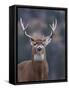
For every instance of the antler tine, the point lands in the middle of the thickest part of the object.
(24, 28)
(22, 25)
(53, 26)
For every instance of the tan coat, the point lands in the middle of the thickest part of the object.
(32, 71)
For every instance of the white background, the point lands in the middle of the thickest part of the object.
(4, 44)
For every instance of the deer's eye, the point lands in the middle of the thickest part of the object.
(34, 43)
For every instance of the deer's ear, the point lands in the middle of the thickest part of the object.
(48, 40)
(31, 42)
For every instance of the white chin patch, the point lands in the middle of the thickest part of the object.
(38, 57)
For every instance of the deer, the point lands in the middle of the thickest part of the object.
(37, 68)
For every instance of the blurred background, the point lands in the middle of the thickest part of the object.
(39, 20)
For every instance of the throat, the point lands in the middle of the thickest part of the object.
(39, 57)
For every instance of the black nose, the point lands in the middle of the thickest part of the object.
(39, 49)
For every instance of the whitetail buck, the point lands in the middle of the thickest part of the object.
(37, 68)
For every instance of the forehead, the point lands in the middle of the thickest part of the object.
(38, 41)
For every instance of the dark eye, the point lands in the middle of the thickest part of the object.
(34, 43)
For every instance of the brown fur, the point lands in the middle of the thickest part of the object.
(32, 71)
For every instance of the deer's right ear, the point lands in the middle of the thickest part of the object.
(31, 42)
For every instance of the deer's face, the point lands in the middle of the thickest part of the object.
(38, 45)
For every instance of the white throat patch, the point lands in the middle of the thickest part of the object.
(38, 57)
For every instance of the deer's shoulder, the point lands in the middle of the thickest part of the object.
(24, 64)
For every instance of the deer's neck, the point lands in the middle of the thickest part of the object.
(39, 57)
(39, 63)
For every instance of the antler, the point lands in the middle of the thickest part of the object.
(24, 28)
(48, 38)
(53, 27)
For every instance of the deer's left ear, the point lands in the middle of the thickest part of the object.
(47, 41)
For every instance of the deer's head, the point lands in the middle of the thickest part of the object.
(39, 43)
